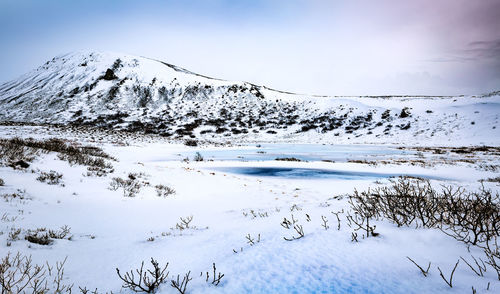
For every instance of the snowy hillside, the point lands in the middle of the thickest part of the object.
(139, 94)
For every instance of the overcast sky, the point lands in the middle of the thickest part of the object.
(355, 47)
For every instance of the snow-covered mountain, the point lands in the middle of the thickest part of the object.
(139, 94)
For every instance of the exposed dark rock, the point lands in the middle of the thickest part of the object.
(405, 112)
(19, 164)
(109, 75)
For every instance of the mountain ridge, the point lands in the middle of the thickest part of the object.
(125, 92)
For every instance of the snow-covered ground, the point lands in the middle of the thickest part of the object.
(225, 209)
(112, 231)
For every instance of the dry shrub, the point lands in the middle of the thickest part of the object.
(51, 178)
(26, 150)
(131, 185)
(42, 236)
(13, 150)
(470, 217)
(18, 274)
(147, 281)
(164, 191)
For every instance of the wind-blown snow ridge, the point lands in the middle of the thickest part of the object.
(126, 92)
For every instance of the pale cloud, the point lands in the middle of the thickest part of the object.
(325, 47)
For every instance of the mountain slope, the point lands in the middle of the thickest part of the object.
(139, 94)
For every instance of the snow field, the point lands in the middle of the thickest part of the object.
(112, 231)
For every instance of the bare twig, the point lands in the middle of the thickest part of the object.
(449, 282)
(338, 218)
(325, 222)
(216, 278)
(300, 231)
(424, 272)
(480, 270)
(285, 223)
(181, 285)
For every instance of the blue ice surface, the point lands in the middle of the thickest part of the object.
(305, 152)
(313, 173)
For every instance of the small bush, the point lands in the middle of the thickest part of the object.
(198, 157)
(38, 237)
(216, 278)
(18, 274)
(43, 236)
(51, 178)
(185, 223)
(147, 281)
(2, 182)
(131, 185)
(190, 142)
(287, 159)
(164, 191)
(494, 180)
(63, 233)
(14, 234)
(181, 285)
(19, 195)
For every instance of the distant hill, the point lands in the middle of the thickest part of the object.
(138, 94)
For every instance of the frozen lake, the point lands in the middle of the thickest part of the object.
(314, 173)
(305, 152)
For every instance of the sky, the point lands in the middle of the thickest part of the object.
(355, 47)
